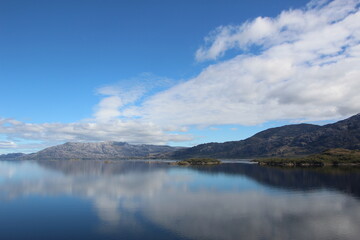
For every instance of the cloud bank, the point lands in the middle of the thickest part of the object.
(115, 130)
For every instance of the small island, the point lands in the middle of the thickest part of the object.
(197, 161)
(331, 157)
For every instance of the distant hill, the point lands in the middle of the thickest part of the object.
(100, 150)
(289, 140)
(11, 156)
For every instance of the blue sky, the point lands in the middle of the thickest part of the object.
(172, 72)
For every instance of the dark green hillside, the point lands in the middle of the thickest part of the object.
(286, 141)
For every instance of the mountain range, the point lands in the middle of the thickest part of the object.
(95, 150)
(101, 150)
(285, 141)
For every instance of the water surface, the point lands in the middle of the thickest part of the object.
(141, 200)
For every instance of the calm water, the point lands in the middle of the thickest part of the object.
(138, 200)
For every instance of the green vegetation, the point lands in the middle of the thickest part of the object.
(198, 161)
(331, 157)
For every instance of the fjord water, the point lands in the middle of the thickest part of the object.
(142, 200)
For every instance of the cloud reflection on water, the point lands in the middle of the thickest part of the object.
(121, 192)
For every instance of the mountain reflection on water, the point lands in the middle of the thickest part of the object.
(140, 200)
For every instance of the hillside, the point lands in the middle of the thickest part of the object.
(289, 140)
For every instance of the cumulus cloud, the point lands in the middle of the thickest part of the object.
(289, 27)
(116, 99)
(302, 64)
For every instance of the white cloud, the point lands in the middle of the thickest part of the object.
(108, 108)
(306, 67)
(290, 26)
(117, 98)
(7, 144)
(124, 94)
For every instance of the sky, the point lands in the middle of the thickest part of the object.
(173, 72)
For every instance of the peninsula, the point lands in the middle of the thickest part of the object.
(331, 157)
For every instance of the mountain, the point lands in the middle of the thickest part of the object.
(289, 140)
(100, 150)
